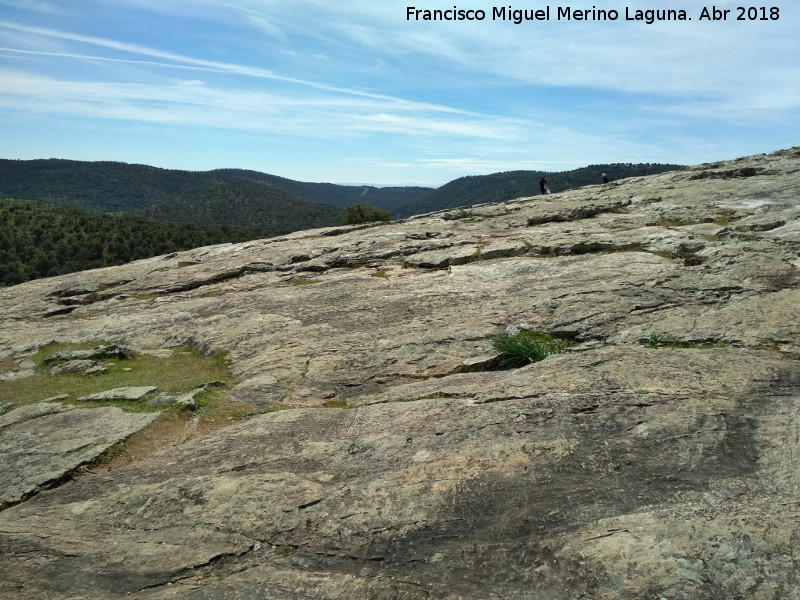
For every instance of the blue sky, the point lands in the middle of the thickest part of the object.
(353, 92)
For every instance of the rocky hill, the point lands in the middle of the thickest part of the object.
(508, 185)
(362, 444)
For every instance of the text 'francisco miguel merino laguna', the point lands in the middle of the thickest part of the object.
(567, 13)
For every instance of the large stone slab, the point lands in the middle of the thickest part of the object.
(40, 449)
(615, 471)
(128, 393)
(578, 475)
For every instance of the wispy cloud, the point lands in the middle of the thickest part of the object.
(40, 6)
(175, 59)
(183, 102)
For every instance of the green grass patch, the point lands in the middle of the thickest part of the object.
(303, 281)
(208, 294)
(336, 404)
(187, 368)
(524, 348)
(656, 340)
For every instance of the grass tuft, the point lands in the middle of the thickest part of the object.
(524, 348)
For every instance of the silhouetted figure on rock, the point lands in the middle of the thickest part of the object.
(543, 186)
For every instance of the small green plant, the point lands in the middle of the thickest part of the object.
(654, 340)
(524, 348)
(381, 273)
(478, 254)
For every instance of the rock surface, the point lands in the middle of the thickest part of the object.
(41, 443)
(129, 393)
(656, 459)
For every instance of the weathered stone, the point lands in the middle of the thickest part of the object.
(85, 367)
(28, 411)
(45, 444)
(129, 393)
(108, 351)
(185, 399)
(613, 471)
(159, 352)
(57, 398)
(24, 368)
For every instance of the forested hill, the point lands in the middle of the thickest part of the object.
(237, 203)
(39, 239)
(96, 186)
(116, 187)
(499, 187)
(386, 198)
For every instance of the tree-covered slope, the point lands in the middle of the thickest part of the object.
(499, 187)
(95, 186)
(40, 239)
(238, 202)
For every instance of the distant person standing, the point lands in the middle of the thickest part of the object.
(543, 186)
(605, 178)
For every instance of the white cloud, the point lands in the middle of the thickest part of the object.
(193, 103)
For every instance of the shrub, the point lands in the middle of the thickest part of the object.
(363, 213)
(524, 348)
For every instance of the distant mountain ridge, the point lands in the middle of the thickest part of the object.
(121, 187)
(269, 204)
(386, 198)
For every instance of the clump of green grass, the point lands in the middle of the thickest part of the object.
(524, 348)
(653, 340)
